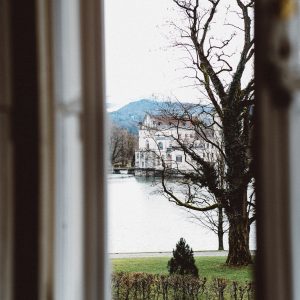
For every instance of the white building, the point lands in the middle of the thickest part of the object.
(158, 141)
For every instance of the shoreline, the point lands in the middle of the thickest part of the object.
(168, 254)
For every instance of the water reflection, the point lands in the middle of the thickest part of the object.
(142, 220)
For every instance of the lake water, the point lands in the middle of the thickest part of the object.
(143, 220)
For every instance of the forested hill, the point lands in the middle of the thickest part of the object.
(131, 114)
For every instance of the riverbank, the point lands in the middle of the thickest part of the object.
(169, 254)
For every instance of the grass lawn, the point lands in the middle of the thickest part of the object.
(209, 266)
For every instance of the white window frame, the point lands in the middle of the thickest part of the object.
(95, 262)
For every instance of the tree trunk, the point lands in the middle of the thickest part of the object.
(220, 239)
(239, 253)
(220, 228)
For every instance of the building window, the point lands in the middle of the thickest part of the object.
(160, 146)
(179, 158)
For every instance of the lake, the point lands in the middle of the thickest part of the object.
(141, 219)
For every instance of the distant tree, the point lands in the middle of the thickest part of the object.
(122, 146)
(183, 262)
(213, 220)
(131, 146)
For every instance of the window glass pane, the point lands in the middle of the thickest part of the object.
(178, 158)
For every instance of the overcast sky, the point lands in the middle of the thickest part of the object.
(140, 59)
(140, 62)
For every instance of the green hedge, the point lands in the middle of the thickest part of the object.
(142, 286)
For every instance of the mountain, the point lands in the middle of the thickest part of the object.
(131, 114)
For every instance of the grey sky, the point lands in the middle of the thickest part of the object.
(139, 60)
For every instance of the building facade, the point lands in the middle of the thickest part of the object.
(160, 139)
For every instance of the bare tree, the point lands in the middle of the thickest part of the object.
(213, 220)
(122, 145)
(220, 71)
(163, 152)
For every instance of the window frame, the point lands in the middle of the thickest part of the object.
(273, 260)
(273, 187)
(6, 167)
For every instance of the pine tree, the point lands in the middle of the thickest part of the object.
(183, 261)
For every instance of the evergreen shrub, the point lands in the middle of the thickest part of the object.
(183, 261)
